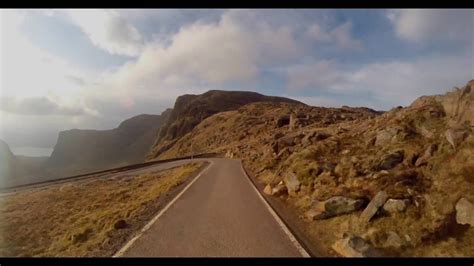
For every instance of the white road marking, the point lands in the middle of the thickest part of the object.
(282, 225)
(150, 223)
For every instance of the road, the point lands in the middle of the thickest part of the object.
(219, 214)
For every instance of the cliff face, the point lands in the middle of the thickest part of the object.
(190, 110)
(78, 151)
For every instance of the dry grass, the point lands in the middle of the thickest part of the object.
(77, 219)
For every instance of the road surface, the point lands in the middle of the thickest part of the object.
(219, 214)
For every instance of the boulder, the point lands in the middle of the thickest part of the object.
(334, 206)
(120, 224)
(292, 184)
(283, 120)
(393, 206)
(391, 160)
(465, 212)
(373, 207)
(354, 246)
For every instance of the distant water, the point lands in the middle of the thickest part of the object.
(32, 151)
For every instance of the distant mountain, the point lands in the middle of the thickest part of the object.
(17, 170)
(6, 161)
(189, 110)
(80, 151)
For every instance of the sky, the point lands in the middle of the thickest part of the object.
(91, 69)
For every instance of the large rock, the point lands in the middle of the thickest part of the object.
(465, 212)
(292, 184)
(391, 160)
(394, 206)
(334, 206)
(373, 206)
(354, 246)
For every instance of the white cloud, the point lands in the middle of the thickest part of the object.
(108, 30)
(43, 106)
(199, 57)
(391, 83)
(418, 25)
(340, 35)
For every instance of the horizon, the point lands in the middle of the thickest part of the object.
(92, 69)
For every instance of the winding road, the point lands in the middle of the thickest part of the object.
(218, 214)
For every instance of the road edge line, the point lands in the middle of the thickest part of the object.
(162, 211)
(280, 222)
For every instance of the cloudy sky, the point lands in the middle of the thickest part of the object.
(91, 69)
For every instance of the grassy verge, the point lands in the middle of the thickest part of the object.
(84, 218)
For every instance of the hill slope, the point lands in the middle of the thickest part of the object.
(399, 183)
(189, 110)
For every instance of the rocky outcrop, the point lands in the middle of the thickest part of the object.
(459, 104)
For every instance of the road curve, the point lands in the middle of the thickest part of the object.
(219, 215)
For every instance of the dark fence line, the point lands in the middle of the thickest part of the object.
(117, 169)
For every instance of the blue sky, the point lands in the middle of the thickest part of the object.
(65, 69)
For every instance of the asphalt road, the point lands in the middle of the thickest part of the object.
(219, 215)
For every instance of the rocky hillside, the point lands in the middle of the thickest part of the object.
(364, 183)
(79, 151)
(189, 110)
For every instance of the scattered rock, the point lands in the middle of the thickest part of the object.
(455, 136)
(334, 206)
(373, 206)
(81, 237)
(391, 160)
(393, 206)
(432, 148)
(268, 190)
(120, 224)
(292, 183)
(465, 212)
(354, 246)
(279, 189)
(392, 240)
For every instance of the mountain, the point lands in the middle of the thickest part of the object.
(398, 182)
(80, 151)
(189, 110)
